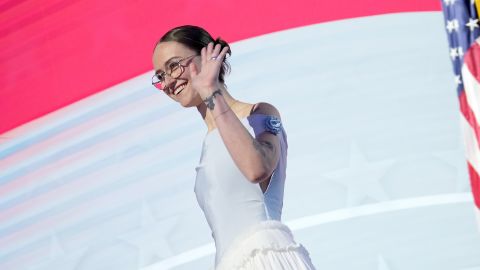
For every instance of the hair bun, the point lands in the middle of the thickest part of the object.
(223, 43)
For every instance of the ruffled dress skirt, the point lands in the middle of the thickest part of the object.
(267, 246)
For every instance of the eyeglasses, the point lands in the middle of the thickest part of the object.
(174, 70)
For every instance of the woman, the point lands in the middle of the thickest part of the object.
(241, 175)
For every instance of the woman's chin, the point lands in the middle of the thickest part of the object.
(188, 103)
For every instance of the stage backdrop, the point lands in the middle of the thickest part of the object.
(97, 167)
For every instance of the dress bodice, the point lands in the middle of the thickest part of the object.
(230, 202)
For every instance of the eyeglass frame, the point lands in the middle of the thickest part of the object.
(165, 74)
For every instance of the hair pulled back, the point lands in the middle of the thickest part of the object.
(196, 38)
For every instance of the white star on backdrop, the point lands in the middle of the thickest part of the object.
(152, 238)
(361, 178)
(472, 24)
(59, 258)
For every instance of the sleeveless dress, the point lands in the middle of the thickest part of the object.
(245, 222)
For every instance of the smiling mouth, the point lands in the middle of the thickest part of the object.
(179, 89)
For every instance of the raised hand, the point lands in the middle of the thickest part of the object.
(205, 81)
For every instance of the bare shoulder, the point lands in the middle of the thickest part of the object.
(265, 108)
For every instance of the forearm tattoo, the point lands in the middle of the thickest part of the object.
(209, 100)
(262, 146)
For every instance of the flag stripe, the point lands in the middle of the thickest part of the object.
(472, 60)
(469, 115)
(472, 151)
(475, 183)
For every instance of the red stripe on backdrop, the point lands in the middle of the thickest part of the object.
(475, 183)
(57, 52)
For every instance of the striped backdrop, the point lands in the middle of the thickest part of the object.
(97, 167)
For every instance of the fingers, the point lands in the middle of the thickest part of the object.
(216, 50)
(203, 53)
(210, 49)
(211, 52)
(223, 53)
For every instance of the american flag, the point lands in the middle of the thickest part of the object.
(463, 30)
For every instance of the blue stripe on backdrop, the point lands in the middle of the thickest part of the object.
(16, 145)
(98, 138)
(95, 166)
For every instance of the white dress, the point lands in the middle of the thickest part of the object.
(245, 222)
